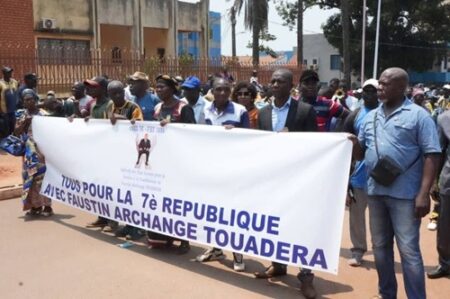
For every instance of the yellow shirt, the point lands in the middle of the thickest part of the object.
(4, 86)
(130, 110)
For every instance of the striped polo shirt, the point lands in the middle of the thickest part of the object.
(325, 109)
(234, 114)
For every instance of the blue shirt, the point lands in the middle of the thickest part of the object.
(406, 134)
(358, 178)
(147, 104)
(233, 114)
(279, 115)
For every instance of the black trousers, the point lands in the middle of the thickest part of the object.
(11, 122)
(147, 153)
(443, 232)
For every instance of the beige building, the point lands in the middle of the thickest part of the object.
(149, 27)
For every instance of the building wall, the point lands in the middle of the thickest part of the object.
(74, 16)
(115, 36)
(188, 43)
(85, 19)
(16, 22)
(155, 38)
(156, 13)
(190, 16)
(316, 46)
(123, 13)
(215, 50)
(16, 36)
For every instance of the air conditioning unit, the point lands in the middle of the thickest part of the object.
(48, 23)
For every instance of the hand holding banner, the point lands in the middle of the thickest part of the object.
(278, 196)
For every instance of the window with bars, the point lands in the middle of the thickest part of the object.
(63, 51)
(335, 62)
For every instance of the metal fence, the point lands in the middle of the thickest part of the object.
(58, 67)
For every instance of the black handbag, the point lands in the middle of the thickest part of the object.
(386, 170)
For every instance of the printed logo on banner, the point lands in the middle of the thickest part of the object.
(145, 143)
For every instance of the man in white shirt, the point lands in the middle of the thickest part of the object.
(191, 89)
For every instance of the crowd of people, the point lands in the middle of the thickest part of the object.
(400, 135)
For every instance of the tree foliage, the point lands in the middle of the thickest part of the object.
(267, 37)
(413, 33)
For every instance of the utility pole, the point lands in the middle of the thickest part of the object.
(233, 31)
(300, 33)
(377, 40)
(363, 43)
(345, 19)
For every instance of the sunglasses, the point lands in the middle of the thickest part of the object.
(243, 94)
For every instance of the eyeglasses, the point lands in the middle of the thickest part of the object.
(243, 94)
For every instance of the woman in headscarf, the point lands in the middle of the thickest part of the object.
(169, 110)
(244, 93)
(33, 161)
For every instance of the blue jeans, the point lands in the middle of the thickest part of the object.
(391, 217)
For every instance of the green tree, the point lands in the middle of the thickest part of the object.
(291, 12)
(413, 33)
(256, 14)
(267, 37)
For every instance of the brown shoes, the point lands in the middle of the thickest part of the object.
(272, 271)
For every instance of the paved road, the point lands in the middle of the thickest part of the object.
(59, 258)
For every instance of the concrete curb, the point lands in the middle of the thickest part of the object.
(12, 191)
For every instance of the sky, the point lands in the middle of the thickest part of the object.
(286, 40)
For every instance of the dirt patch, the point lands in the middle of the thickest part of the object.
(10, 169)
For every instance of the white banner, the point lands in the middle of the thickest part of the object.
(278, 196)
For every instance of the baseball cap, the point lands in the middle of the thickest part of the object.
(417, 91)
(446, 86)
(191, 82)
(98, 81)
(7, 69)
(371, 82)
(308, 75)
(139, 76)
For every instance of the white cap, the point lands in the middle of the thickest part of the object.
(446, 86)
(371, 82)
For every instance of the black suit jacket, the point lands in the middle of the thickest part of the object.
(301, 118)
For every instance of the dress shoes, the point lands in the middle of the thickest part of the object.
(271, 271)
(438, 272)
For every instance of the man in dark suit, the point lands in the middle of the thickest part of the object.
(287, 115)
(144, 148)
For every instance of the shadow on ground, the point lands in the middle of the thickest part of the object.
(280, 287)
